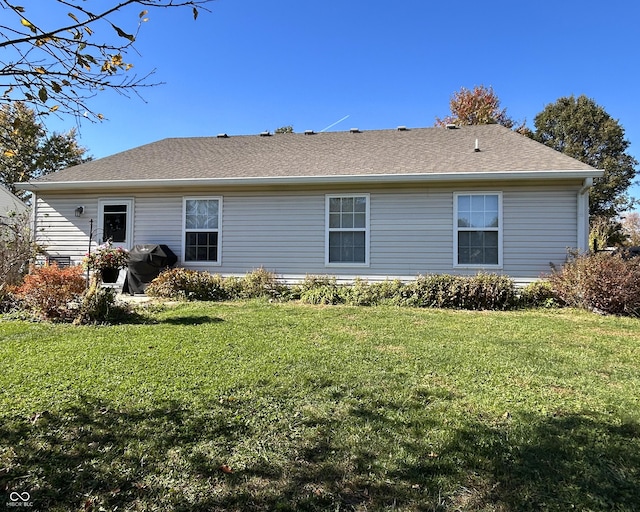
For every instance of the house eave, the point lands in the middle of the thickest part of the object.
(311, 180)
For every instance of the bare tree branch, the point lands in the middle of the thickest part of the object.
(59, 70)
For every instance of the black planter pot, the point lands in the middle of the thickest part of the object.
(109, 275)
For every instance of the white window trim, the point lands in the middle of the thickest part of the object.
(328, 197)
(102, 202)
(499, 230)
(186, 263)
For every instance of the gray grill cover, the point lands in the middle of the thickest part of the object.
(146, 261)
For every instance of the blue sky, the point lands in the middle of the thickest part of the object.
(254, 65)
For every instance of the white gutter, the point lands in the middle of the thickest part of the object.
(310, 180)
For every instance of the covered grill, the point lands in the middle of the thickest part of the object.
(146, 261)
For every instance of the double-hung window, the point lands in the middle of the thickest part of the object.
(347, 233)
(202, 229)
(478, 229)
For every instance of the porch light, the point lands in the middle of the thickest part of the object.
(79, 211)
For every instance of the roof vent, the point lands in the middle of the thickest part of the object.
(265, 134)
(222, 136)
(354, 130)
(403, 129)
(451, 126)
(309, 132)
(477, 148)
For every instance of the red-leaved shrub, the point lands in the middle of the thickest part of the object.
(603, 282)
(49, 290)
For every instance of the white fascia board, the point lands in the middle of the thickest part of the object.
(311, 180)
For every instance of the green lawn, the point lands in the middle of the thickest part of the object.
(323, 408)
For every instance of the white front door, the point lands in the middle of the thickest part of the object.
(115, 222)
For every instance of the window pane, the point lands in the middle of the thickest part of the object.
(491, 220)
(115, 208)
(478, 247)
(201, 214)
(201, 246)
(347, 204)
(347, 247)
(347, 212)
(463, 221)
(477, 220)
(115, 227)
(477, 203)
(190, 222)
(360, 220)
(491, 203)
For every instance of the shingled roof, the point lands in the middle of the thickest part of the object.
(377, 153)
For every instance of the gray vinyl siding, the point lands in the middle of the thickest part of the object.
(411, 229)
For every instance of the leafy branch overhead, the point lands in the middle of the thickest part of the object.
(54, 60)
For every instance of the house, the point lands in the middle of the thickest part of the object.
(375, 204)
(10, 203)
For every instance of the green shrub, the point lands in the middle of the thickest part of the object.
(186, 284)
(363, 293)
(483, 291)
(492, 292)
(323, 294)
(604, 282)
(539, 294)
(387, 291)
(359, 293)
(261, 283)
(51, 292)
(99, 305)
(318, 290)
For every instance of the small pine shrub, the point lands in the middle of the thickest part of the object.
(603, 282)
(50, 291)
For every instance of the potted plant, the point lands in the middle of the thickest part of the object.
(107, 260)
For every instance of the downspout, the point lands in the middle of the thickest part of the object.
(34, 219)
(583, 215)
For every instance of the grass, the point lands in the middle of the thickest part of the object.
(257, 406)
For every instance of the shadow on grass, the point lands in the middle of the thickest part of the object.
(171, 458)
(192, 320)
